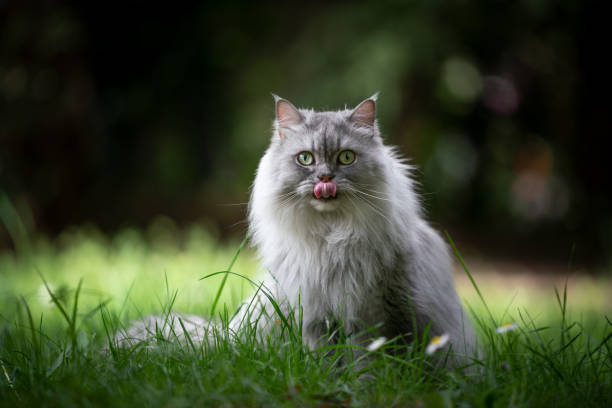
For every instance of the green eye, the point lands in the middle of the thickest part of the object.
(305, 158)
(346, 157)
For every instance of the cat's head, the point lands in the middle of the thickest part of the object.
(329, 161)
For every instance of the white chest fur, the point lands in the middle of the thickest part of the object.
(334, 273)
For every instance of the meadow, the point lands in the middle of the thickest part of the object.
(61, 300)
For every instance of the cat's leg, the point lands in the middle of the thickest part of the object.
(320, 332)
(263, 313)
(430, 296)
(269, 312)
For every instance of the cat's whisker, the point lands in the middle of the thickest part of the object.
(285, 202)
(367, 194)
(283, 197)
(381, 193)
(372, 196)
(238, 223)
(356, 206)
(290, 193)
(370, 190)
(372, 206)
(288, 201)
(369, 185)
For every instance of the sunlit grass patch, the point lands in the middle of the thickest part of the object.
(129, 270)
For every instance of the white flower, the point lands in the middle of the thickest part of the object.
(437, 343)
(376, 344)
(506, 327)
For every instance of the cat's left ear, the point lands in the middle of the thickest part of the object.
(287, 115)
(365, 112)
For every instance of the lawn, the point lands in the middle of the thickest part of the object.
(60, 301)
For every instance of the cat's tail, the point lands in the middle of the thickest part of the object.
(150, 330)
(256, 313)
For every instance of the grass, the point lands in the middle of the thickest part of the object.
(62, 300)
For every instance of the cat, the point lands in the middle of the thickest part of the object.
(335, 219)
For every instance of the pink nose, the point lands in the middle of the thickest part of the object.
(325, 189)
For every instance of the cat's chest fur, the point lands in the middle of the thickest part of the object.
(333, 269)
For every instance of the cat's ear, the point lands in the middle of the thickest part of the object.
(365, 113)
(287, 115)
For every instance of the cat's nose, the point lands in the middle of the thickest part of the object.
(326, 177)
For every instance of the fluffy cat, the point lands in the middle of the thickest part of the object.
(335, 220)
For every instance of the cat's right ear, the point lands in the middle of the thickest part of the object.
(287, 115)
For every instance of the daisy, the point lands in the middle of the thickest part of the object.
(506, 327)
(376, 344)
(437, 343)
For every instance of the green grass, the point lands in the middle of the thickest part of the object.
(52, 340)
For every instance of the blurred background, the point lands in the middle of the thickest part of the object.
(112, 115)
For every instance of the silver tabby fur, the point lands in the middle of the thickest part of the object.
(366, 258)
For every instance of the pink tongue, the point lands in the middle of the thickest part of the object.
(325, 189)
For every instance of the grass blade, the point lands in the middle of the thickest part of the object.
(75, 307)
(109, 338)
(54, 298)
(469, 275)
(222, 285)
(186, 333)
(34, 336)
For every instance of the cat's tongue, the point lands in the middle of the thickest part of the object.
(325, 189)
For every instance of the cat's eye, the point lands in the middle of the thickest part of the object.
(305, 158)
(346, 157)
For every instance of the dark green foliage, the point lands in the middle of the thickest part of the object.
(500, 104)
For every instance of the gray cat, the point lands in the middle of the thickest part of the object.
(335, 220)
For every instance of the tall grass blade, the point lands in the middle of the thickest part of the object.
(9, 381)
(75, 307)
(187, 336)
(9, 216)
(34, 337)
(109, 337)
(229, 268)
(603, 343)
(92, 312)
(469, 275)
(56, 301)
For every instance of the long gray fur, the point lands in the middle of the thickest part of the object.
(367, 258)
